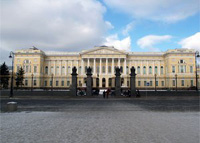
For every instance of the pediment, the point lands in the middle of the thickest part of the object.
(103, 51)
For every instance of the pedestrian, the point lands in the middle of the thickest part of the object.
(104, 94)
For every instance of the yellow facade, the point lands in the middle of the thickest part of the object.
(162, 67)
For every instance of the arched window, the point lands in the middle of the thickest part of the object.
(109, 69)
(150, 70)
(144, 70)
(69, 69)
(63, 69)
(156, 70)
(57, 70)
(161, 70)
(138, 70)
(46, 70)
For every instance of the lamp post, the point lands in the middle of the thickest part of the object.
(11, 87)
(155, 82)
(176, 81)
(32, 82)
(196, 56)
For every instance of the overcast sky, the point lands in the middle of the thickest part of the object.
(74, 25)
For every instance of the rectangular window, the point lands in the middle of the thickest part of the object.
(62, 83)
(182, 82)
(156, 83)
(163, 84)
(191, 83)
(128, 83)
(26, 82)
(173, 69)
(150, 83)
(45, 83)
(27, 68)
(138, 83)
(145, 83)
(68, 83)
(56, 83)
(174, 83)
(34, 82)
(50, 83)
(35, 69)
(191, 69)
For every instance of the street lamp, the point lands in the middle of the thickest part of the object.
(196, 56)
(51, 82)
(32, 82)
(11, 87)
(155, 82)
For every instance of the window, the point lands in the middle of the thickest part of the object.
(191, 69)
(163, 84)
(109, 69)
(150, 83)
(35, 69)
(85, 69)
(182, 82)
(51, 83)
(51, 69)
(156, 83)
(46, 70)
(56, 83)
(128, 83)
(26, 70)
(45, 83)
(26, 82)
(57, 70)
(69, 69)
(173, 69)
(181, 61)
(150, 70)
(68, 83)
(103, 69)
(34, 82)
(138, 83)
(161, 70)
(144, 70)
(191, 83)
(79, 83)
(138, 70)
(182, 69)
(63, 70)
(145, 83)
(110, 82)
(173, 82)
(156, 70)
(98, 69)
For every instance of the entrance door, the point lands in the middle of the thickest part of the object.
(97, 82)
(103, 82)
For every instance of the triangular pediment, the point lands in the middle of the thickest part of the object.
(103, 51)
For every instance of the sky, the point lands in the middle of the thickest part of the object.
(130, 25)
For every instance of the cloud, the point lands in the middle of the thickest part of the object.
(148, 42)
(113, 40)
(192, 42)
(158, 10)
(128, 28)
(63, 25)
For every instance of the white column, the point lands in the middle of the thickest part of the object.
(119, 62)
(113, 68)
(82, 66)
(88, 63)
(100, 66)
(125, 66)
(106, 65)
(49, 69)
(54, 67)
(65, 67)
(61, 67)
(94, 66)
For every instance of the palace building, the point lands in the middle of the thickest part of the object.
(163, 70)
